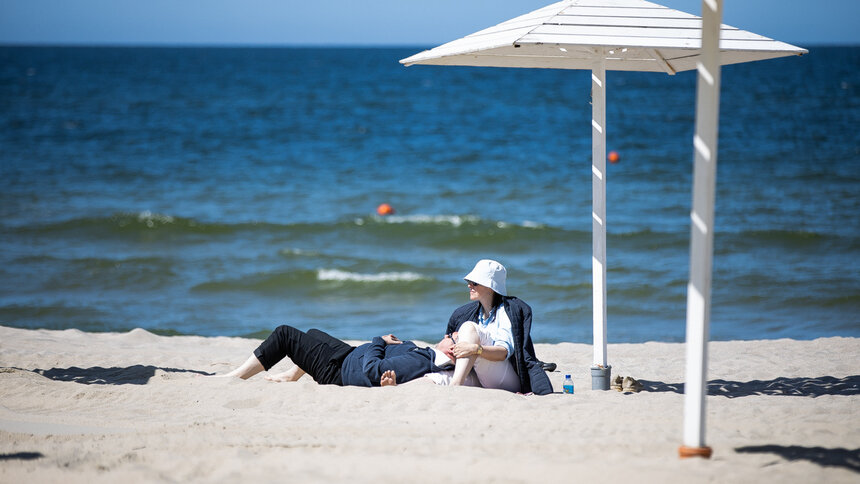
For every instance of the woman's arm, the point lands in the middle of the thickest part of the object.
(492, 353)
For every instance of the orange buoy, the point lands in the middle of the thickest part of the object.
(613, 157)
(384, 209)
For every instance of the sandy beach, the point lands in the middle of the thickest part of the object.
(133, 407)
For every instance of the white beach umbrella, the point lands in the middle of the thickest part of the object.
(627, 35)
(632, 35)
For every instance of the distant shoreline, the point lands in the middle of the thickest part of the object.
(263, 333)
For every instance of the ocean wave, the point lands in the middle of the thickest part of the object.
(789, 239)
(149, 222)
(60, 273)
(133, 223)
(783, 235)
(261, 283)
(444, 231)
(306, 281)
(56, 316)
(343, 276)
(463, 232)
(152, 219)
(727, 242)
(651, 239)
(294, 251)
(455, 221)
(418, 219)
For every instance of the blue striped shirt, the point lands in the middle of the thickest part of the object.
(498, 325)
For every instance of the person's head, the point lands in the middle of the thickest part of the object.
(446, 346)
(487, 282)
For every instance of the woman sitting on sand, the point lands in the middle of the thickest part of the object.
(493, 336)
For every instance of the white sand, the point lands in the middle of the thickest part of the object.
(125, 408)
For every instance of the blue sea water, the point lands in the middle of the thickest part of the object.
(222, 191)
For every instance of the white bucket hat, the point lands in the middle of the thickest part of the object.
(489, 273)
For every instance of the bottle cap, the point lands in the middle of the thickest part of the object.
(567, 376)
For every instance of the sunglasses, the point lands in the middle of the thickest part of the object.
(470, 283)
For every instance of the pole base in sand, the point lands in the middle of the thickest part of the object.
(685, 452)
(600, 376)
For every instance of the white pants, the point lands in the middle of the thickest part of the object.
(485, 373)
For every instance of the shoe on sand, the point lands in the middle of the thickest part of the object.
(630, 385)
(616, 383)
(550, 367)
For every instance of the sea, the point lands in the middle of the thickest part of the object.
(225, 191)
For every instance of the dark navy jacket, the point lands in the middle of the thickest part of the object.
(366, 364)
(532, 376)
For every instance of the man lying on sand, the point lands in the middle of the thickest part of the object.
(384, 361)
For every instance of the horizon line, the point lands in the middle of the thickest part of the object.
(334, 45)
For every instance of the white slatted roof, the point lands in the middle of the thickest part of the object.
(632, 35)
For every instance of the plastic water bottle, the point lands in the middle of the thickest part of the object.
(568, 384)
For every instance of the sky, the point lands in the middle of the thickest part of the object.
(361, 23)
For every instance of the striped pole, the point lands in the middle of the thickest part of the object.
(702, 232)
(598, 210)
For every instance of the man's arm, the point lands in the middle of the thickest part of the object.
(407, 366)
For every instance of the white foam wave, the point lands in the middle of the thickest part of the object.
(452, 220)
(298, 252)
(149, 219)
(533, 225)
(526, 224)
(338, 275)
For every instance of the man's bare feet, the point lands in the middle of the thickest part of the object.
(293, 374)
(249, 368)
(388, 379)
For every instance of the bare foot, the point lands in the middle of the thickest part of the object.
(388, 379)
(293, 374)
(249, 368)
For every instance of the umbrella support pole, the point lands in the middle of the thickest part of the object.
(702, 233)
(599, 379)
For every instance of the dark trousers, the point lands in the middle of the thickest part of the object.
(317, 353)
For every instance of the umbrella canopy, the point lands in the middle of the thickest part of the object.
(631, 35)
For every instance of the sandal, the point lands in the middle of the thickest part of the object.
(631, 385)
